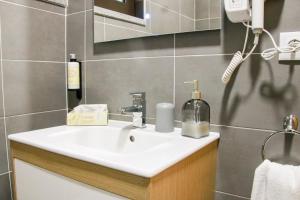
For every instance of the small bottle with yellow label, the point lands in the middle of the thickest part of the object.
(73, 73)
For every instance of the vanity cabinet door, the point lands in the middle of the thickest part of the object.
(34, 183)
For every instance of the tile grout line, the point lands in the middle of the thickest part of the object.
(174, 71)
(104, 29)
(155, 57)
(238, 127)
(128, 58)
(150, 11)
(3, 107)
(170, 10)
(123, 27)
(5, 173)
(179, 15)
(194, 15)
(187, 17)
(84, 49)
(225, 126)
(244, 128)
(83, 11)
(178, 121)
(125, 58)
(34, 113)
(66, 63)
(199, 19)
(33, 61)
(62, 5)
(29, 7)
(233, 195)
(209, 23)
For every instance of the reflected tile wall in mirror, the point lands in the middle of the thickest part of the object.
(160, 17)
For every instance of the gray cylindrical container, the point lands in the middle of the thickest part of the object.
(165, 117)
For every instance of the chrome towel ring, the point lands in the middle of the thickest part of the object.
(290, 126)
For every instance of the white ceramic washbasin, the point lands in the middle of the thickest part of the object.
(143, 152)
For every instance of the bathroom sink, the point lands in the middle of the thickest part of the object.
(142, 152)
(112, 140)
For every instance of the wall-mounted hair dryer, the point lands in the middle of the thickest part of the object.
(251, 14)
(240, 11)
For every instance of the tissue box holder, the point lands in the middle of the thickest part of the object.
(88, 115)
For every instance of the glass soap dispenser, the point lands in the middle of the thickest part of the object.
(195, 115)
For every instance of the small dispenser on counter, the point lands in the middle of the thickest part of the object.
(195, 114)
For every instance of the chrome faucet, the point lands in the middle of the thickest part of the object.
(138, 109)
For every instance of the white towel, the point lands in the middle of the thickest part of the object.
(273, 181)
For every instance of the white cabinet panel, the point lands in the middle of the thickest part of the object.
(34, 183)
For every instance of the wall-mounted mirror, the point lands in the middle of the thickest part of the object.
(126, 19)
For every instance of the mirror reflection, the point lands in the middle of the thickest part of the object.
(126, 19)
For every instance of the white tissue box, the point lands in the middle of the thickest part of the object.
(88, 115)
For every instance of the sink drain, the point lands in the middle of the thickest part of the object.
(132, 138)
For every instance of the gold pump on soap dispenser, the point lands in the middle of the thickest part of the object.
(195, 114)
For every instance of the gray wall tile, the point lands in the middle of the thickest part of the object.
(272, 91)
(186, 24)
(202, 9)
(31, 30)
(164, 21)
(75, 31)
(169, 4)
(215, 23)
(1, 92)
(3, 152)
(89, 4)
(211, 42)
(31, 122)
(117, 33)
(239, 155)
(188, 8)
(76, 6)
(141, 47)
(111, 81)
(215, 7)
(100, 30)
(202, 25)
(40, 5)
(137, 27)
(5, 187)
(33, 87)
(30, 34)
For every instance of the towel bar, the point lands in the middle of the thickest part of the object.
(290, 126)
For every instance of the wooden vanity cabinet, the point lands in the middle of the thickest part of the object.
(190, 179)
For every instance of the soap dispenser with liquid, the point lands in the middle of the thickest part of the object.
(195, 115)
